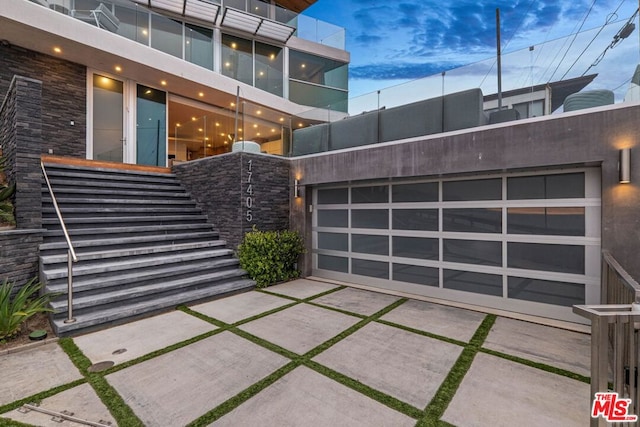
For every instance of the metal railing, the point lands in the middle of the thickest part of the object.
(618, 287)
(71, 254)
(615, 343)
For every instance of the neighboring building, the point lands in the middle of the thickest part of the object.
(538, 100)
(146, 81)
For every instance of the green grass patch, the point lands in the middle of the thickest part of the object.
(423, 333)
(121, 412)
(538, 365)
(342, 335)
(5, 422)
(450, 385)
(215, 322)
(243, 396)
(161, 351)
(374, 394)
(39, 397)
(337, 310)
(266, 344)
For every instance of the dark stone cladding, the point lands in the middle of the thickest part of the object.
(64, 92)
(19, 255)
(20, 139)
(220, 185)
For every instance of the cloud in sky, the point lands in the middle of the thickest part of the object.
(392, 41)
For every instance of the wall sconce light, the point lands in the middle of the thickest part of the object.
(624, 167)
(296, 188)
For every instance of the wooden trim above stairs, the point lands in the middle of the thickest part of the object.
(46, 158)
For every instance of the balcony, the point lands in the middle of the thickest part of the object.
(254, 16)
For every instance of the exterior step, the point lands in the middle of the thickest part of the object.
(122, 313)
(142, 244)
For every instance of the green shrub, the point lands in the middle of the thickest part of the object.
(270, 256)
(26, 302)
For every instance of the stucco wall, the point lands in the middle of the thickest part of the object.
(588, 137)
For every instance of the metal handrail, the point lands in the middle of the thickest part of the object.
(630, 287)
(71, 253)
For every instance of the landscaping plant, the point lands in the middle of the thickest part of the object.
(6, 206)
(270, 256)
(14, 311)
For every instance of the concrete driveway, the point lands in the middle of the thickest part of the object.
(306, 353)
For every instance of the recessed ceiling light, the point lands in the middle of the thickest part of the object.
(178, 124)
(199, 129)
(233, 104)
(273, 130)
(282, 119)
(258, 134)
(258, 112)
(193, 119)
(118, 68)
(57, 49)
(234, 45)
(209, 145)
(255, 126)
(217, 124)
(303, 66)
(145, 32)
(300, 125)
(163, 82)
(201, 94)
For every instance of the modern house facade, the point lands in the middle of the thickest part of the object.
(508, 215)
(148, 82)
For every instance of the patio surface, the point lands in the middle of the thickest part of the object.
(307, 353)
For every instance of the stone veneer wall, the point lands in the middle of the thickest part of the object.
(21, 140)
(19, 255)
(64, 97)
(220, 185)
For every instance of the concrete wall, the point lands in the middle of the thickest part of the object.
(220, 185)
(64, 90)
(589, 137)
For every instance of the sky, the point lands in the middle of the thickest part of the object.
(402, 47)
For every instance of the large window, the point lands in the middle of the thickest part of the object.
(237, 58)
(318, 81)
(198, 45)
(269, 66)
(516, 238)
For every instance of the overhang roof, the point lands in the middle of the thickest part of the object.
(295, 5)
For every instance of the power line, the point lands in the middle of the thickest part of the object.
(610, 18)
(572, 41)
(622, 34)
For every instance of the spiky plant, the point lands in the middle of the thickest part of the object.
(26, 303)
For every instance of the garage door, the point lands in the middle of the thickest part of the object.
(523, 242)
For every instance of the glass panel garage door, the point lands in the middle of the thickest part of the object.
(526, 242)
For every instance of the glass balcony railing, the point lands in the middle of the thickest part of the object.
(114, 13)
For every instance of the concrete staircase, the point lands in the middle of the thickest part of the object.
(142, 245)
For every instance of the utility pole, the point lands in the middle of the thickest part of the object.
(500, 58)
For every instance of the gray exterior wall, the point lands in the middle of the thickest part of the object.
(220, 186)
(64, 95)
(586, 138)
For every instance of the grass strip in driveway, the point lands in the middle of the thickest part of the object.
(230, 404)
(121, 412)
(538, 365)
(38, 397)
(450, 385)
